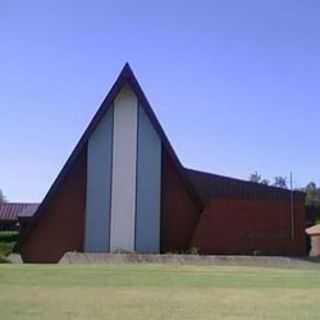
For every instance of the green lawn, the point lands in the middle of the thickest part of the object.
(157, 292)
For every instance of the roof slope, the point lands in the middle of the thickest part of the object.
(10, 211)
(208, 186)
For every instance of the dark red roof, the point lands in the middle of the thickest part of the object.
(10, 211)
(209, 186)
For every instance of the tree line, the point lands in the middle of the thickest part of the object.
(311, 189)
(279, 181)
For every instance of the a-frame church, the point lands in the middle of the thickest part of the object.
(124, 188)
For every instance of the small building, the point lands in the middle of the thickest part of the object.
(124, 188)
(314, 234)
(11, 211)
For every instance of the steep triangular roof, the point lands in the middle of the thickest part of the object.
(126, 77)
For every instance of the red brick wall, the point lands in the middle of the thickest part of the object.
(229, 226)
(60, 226)
(179, 212)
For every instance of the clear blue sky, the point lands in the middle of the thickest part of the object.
(235, 84)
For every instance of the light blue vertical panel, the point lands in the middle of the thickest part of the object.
(98, 196)
(147, 237)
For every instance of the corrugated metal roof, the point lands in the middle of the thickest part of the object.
(10, 211)
(29, 210)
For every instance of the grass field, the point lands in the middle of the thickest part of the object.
(157, 292)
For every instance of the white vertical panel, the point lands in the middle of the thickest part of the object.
(124, 171)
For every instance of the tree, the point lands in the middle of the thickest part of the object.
(255, 177)
(312, 194)
(280, 182)
(2, 197)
